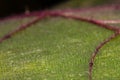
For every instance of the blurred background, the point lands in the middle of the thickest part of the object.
(11, 7)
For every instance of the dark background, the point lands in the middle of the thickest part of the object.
(9, 7)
